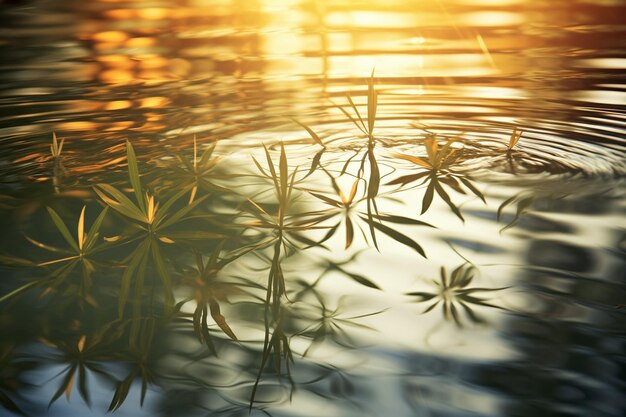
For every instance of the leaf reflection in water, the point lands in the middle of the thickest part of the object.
(453, 293)
(182, 246)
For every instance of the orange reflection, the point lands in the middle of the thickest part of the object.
(153, 13)
(110, 37)
(118, 105)
(85, 127)
(153, 102)
(141, 42)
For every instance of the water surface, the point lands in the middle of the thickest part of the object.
(302, 208)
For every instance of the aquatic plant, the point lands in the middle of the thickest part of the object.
(79, 252)
(438, 169)
(453, 292)
(372, 183)
(197, 173)
(56, 148)
(154, 226)
(208, 292)
(181, 229)
(516, 135)
(330, 324)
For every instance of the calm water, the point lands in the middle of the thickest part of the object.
(455, 248)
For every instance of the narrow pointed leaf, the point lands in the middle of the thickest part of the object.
(473, 189)
(360, 279)
(315, 163)
(169, 221)
(95, 228)
(428, 195)
(206, 155)
(133, 174)
(415, 159)
(63, 229)
(80, 235)
(442, 193)
(325, 199)
(399, 237)
(401, 220)
(349, 232)
(372, 104)
(119, 202)
(313, 135)
(407, 179)
(356, 110)
(220, 320)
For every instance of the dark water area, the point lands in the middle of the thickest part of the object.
(313, 208)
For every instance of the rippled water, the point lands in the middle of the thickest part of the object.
(325, 258)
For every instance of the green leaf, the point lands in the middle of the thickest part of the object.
(270, 165)
(133, 174)
(284, 173)
(165, 277)
(119, 202)
(194, 235)
(292, 182)
(180, 214)
(19, 290)
(63, 229)
(163, 210)
(127, 277)
(95, 227)
(206, 155)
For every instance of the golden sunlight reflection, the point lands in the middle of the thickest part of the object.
(155, 45)
(355, 207)
(238, 66)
